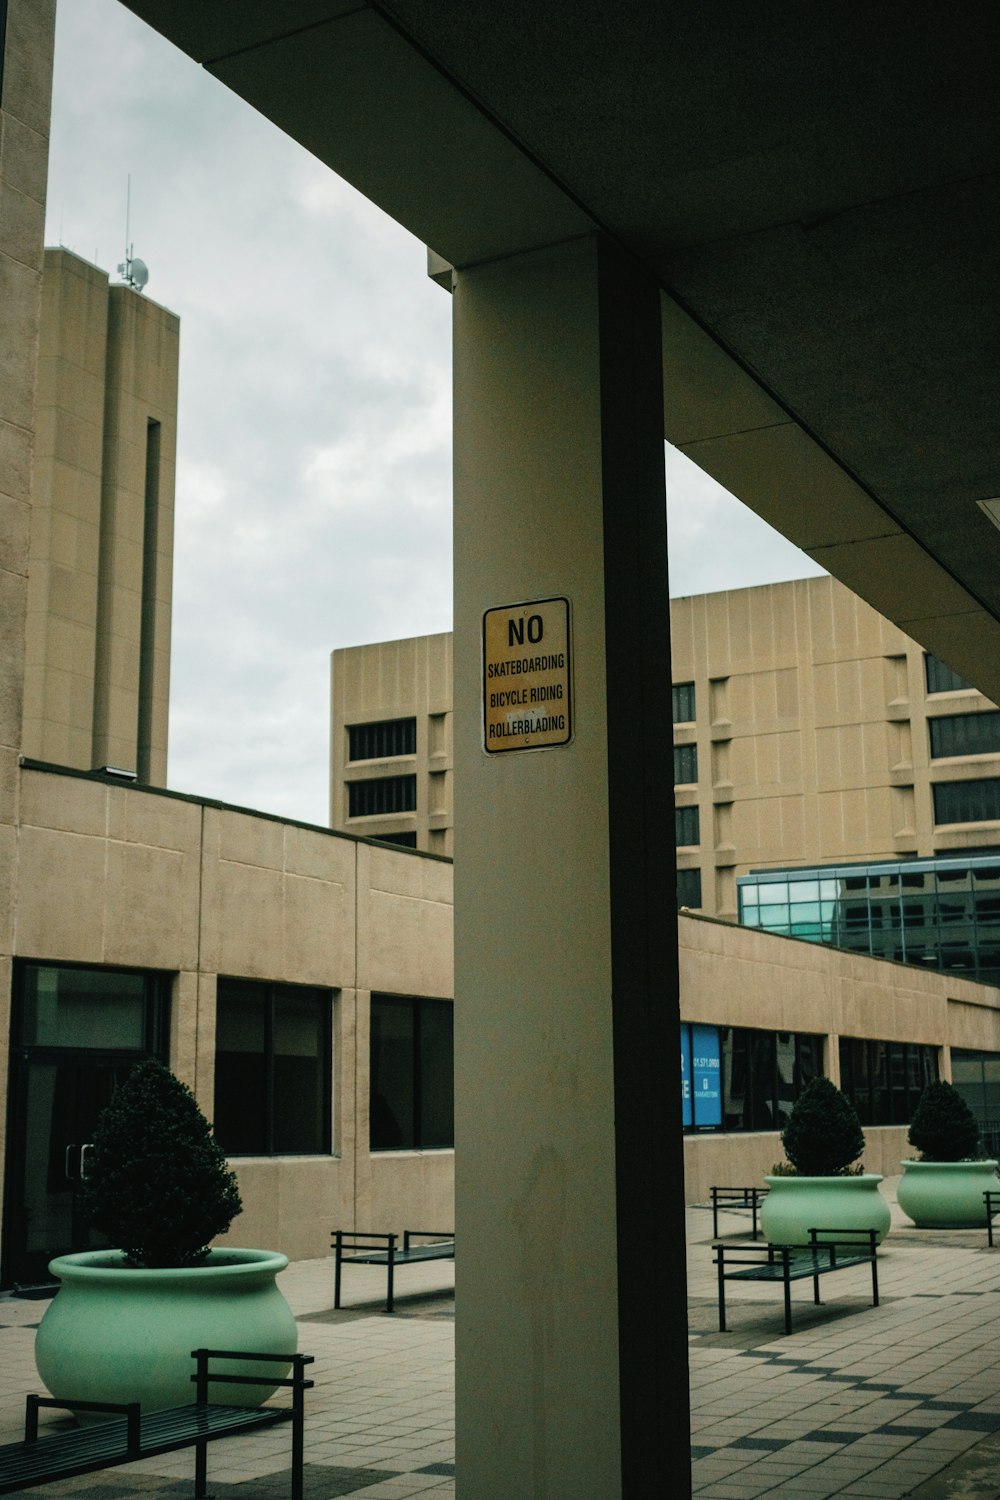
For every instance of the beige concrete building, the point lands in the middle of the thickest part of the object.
(391, 742)
(97, 666)
(808, 730)
(872, 1025)
(150, 921)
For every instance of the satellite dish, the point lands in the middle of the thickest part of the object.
(138, 274)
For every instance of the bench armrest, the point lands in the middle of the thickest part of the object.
(357, 1239)
(857, 1241)
(129, 1410)
(446, 1236)
(203, 1376)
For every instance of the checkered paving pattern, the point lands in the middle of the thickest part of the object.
(898, 1400)
(881, 1403)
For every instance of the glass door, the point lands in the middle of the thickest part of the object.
(78, 1032)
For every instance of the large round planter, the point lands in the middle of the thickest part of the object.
(945, 1194)
(117, 1333)
(794, 1205)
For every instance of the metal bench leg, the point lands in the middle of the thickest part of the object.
(336, 1272)
(390, 1269)
(201, 1471)
(722, 1295)
(298, 1432)
(874, 1284)
(788, 1293)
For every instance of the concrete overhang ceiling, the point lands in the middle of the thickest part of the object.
(814, 186)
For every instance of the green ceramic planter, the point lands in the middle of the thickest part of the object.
(794, 1205)
(946, 1194)
(114, 1333)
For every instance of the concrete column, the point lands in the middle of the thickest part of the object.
(572, 1351)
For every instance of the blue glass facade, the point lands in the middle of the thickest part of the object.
(943, 912)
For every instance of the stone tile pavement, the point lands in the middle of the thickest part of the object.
(898, 1400)
(877, 1403)
(379, 1423)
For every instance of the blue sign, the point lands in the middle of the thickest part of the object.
(706, 1090)
(686, 1077)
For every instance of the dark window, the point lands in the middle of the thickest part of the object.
(385, 794)
(967, 801)
(683, 696)
(412, 1074)
(379, 741)
(686, 825)
(688, 888)
(407, 840)
(763, 1073)
(965, 734)
(976, 1076)
(941, 679)
(272, 1069)
(884, 1080)
(686, 764)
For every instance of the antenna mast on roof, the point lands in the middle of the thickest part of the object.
(134, 272)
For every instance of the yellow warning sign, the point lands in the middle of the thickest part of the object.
(526, 676)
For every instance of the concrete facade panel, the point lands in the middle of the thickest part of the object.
(62, 881)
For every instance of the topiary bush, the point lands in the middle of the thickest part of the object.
(823, 1135)
(943, 1126)
(157, 1182)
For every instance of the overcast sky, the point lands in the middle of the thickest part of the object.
(313, 505)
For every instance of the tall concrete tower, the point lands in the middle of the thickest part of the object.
(97, 661)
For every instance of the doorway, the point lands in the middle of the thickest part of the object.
(76, 1034)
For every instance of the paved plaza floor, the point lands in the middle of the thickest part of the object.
(899, 1400)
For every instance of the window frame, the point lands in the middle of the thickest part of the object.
(272, 992)
(357, 790)
(748, 1071)
(687, 814)
(946, 734)
(682, 697)
(940, 678)
(407, 725)
(870, 1068)
(684, 753)
(691, 876)
(943, 792)
(419, 1006)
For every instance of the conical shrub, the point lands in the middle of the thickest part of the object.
(157, 1182)
(823, 1135)
(944, 1127)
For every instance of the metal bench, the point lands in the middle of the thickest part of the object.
(353, 1247)
(991, 1204)
(839, 1249)
(130, 1435)
(734, 1199)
